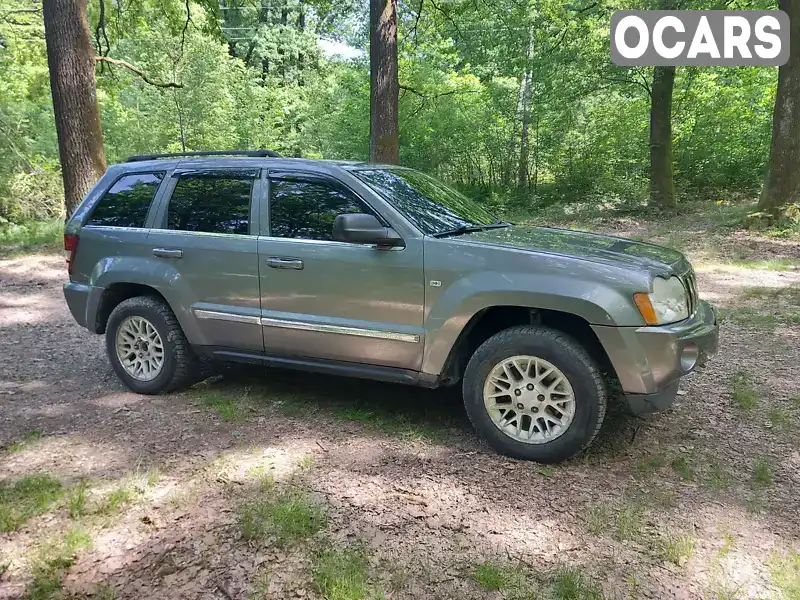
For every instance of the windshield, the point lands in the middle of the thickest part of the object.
(427, 202)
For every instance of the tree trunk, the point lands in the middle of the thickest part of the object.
(662, 186)
(782, 182)
(524, 145)
(384, 144)
(72, 84)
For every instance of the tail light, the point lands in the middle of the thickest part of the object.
(70, 248)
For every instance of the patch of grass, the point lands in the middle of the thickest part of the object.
(76, 499)
(28, 497)
(572, 584)
(228, 407)
(49, 563)
(259, 587)
(343, 574)
(651, 464)
(306, 461)
(114, 500)
(625, 524)
(683, 467)
(756, 503)
(677, 549)
(718, 478)
(630, 522)
(598, 519)
(510, 579)
(743, 391)
(286, 516)
(752, 318)
(763, 472)
(104, 592)
(785, 572)
(780, 419)
(490, 576)
(30, 236)
(775, 264)
(396, 424)
(728, 544)
(28, 438)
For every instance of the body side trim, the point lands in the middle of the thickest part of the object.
(306, 326)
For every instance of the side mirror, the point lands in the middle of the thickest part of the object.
(364, 229)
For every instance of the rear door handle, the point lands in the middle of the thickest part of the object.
(167, 252)
(285, 263)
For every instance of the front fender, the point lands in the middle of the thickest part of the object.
(456, 305)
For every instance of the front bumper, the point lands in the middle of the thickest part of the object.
(649, 361)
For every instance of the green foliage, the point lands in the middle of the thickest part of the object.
(763, 472)
(254, 76)
(31, 235)
(50, 561)
(25, 498)
(743, 391)
(28, 438)
(287, 516)
(785, 571)
(343, 574)
(683, 467)
(572, 584)
(678, 548)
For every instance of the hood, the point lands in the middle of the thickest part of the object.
(566, 242)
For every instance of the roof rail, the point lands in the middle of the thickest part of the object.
(254, 153)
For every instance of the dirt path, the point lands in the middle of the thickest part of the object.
(699, 502)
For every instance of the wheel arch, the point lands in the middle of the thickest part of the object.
(118, 292)
(493, 319)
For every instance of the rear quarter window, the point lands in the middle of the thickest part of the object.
(126, 203)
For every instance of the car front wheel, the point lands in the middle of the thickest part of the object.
(147, 347)
(534, 393)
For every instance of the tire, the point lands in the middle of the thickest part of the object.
(559, 350)
(179, 362)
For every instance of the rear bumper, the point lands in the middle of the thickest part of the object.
(649, 361)
(78, 297)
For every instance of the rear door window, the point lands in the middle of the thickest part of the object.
(126, 203)
(216, 202)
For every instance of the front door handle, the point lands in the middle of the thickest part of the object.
(285, 263)
(167, 252)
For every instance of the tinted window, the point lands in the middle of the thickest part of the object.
(307, 209)
(127, 202)
(427, 202)
(218, 203)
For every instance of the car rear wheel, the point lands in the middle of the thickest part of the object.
(147, 347)
(534, 393)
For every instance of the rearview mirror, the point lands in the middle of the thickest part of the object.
(364, 229)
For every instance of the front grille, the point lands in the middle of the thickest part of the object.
(690, 284)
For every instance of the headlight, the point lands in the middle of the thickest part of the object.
(667, 303)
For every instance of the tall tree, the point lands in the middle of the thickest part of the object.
(782, 181)
(662, 187)
(72, 85)
(384, 144)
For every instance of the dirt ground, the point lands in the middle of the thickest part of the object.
(698, 502)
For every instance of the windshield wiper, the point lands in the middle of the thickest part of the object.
(471, 229)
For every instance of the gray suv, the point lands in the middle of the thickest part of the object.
(379, 272)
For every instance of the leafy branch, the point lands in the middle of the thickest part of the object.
(126, 65)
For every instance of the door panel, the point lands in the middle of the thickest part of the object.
(348, 302)
(204, 235)
(322, 298)
(218, 280)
